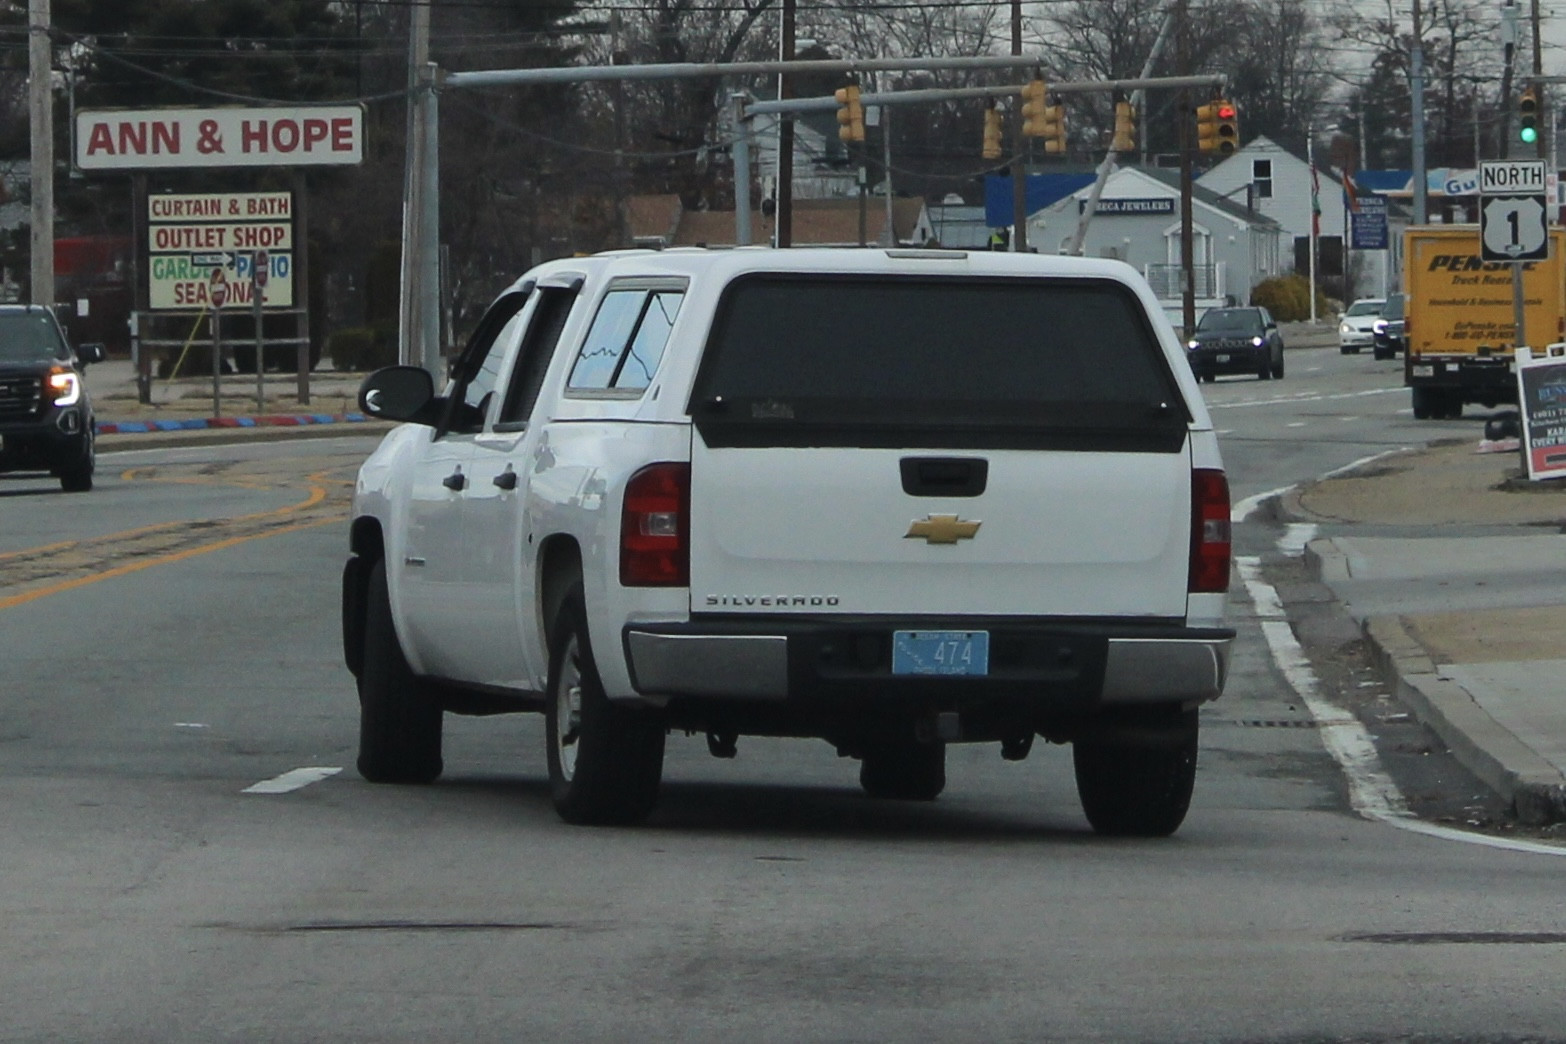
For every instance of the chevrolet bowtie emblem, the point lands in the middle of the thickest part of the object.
(941, 529)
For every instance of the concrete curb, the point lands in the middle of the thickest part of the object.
(139, 435)
(202, 423)
(1525, 780)
(1533, 787)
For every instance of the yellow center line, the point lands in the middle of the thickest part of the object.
(317, 494)
(176, 556)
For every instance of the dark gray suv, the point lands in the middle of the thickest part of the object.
(1236, 340)
(46, 421)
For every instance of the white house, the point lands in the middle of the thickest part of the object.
(1277, 183)
(1137, 220)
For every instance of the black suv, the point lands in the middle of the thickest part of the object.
(45, 413)
(1388, 331)
(1236, 340)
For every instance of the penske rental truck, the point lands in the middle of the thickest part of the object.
(1459, 317)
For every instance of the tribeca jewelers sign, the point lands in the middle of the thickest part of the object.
(190, 236)
(296, 136)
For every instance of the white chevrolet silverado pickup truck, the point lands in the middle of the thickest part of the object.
(892, 499)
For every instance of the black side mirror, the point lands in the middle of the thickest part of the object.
(90, 353)
(400, 393)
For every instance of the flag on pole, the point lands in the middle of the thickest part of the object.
(1315, 201)
(1350, 192)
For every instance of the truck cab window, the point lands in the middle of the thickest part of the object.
(477, 370)
(538, 347)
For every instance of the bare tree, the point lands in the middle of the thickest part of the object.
(1461, 54)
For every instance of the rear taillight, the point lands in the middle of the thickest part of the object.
(655, 527)
(1210, 546)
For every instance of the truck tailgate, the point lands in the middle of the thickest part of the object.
(1053, 533)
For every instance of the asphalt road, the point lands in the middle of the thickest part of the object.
(178, 647)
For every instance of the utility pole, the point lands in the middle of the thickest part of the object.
(1019, 173)
(409, 319)
(783, 215)
(1187, 248)
(40, 104)
(1138, 100)
(1416, 87)
(1547, 139)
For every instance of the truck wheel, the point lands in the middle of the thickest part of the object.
(1452, 408)
(76, 477)
(605, 761)
(1136, 790)
(1424, 405)
(399, 719)
(1277, 371)
(903, 770)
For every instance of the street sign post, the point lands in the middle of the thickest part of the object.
(1513, 222)
(259, 264)
(217, 293)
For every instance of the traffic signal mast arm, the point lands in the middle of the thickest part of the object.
(825, 104)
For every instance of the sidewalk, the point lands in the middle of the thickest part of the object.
(182, 411)
(1471, 629)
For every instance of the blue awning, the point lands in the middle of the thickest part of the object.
(1041, 190)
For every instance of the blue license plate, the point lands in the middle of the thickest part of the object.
(941, 652)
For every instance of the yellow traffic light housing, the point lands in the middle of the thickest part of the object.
(1218, 127)
(850, 113)
(1125, 127)
(1055, 126)
(1528, 116)
(1035, 102)
(992, 133)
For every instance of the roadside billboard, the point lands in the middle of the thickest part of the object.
(292, 136)
(1541, 391)
(190, 235)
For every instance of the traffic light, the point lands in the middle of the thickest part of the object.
(992, 133)
(1054, 126)
(1217, 127)
(1034, 107)
(850, 114)
(1528, 116)
(1125, 127)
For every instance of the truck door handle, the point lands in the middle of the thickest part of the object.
(506, 479)
(455, 481)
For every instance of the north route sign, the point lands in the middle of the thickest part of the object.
(1513, 219)
(292, 136)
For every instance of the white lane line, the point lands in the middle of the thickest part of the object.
(1296, 424)
(1241, 511)
(291, 780)
(1303, 397)
(1295, 537)
(1372, 793)
(189, 725)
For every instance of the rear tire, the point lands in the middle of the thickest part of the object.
(903, 770)
(399, 718)
(605, 761)
(1137, 789)
(1424, 403)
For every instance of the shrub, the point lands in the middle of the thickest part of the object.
(1288, 298)
(359, 348)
